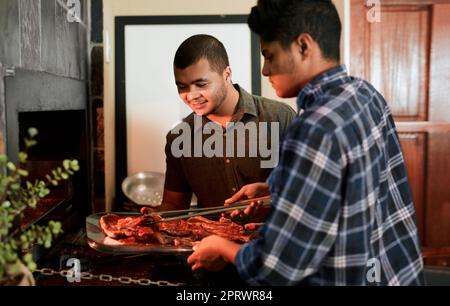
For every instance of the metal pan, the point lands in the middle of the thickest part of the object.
(102, 243)
(144, 188)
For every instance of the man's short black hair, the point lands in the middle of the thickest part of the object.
(201, 46)
(284, 20)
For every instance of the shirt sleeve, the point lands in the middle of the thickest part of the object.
(303, 223)
(175, 177)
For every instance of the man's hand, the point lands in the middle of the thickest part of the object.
(247, 192)
(213, 253)
(148, 210)
(253, 226)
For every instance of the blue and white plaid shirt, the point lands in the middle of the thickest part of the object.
(342, 210)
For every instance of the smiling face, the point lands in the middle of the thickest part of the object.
(285, 67)
(201, 88)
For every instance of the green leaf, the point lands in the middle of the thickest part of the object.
(44, 192)
(55, 227)
(47, 243)
(32, 202)
(65, 176)
(22, 172)
(74, 165)
(13, 244)
(55, 175)
(11, 166)
(32, 266)
(3, 158)
(28, 258)
(6, 204)
(15, 186)
(66, 164)
(11, 257)
(23, 157)
(32, 132)
(30, 142)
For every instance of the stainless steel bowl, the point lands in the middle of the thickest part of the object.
(144, 188)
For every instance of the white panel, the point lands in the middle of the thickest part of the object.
(152, 102)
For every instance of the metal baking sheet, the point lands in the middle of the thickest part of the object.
(102, 243)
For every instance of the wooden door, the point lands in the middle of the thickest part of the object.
(404, 53)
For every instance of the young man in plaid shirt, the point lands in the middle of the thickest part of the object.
(342, 210)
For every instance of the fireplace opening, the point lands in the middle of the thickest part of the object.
(61, 135)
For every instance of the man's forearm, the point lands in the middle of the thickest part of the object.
(173, 200)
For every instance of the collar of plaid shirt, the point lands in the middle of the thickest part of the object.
(332, 77)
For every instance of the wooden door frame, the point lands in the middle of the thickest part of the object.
(436, 121)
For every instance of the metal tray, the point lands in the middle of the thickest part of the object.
(102, 243)
(144, 188)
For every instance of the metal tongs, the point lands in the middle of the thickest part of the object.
(173, 215)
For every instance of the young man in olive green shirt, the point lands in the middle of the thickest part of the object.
(231, 139)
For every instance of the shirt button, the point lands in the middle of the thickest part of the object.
(227, 161)
(233, 189)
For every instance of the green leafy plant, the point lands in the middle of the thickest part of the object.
(18, 194)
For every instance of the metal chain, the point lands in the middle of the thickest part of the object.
(107, 278)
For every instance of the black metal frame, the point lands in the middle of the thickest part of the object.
(120, 105)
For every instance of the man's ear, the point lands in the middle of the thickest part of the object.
(304, 43)
(227, 74)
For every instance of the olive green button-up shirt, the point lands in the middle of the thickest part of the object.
(215, 166)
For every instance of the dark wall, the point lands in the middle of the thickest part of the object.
(96, 105)
(96, 21)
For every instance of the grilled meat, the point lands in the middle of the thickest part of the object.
(115, 226)
(178, 232)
